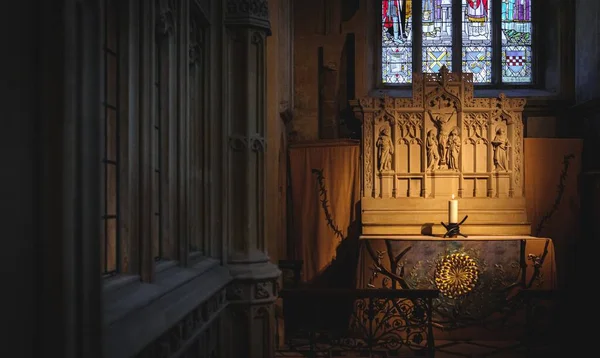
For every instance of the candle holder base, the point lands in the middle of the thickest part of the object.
(453, 229)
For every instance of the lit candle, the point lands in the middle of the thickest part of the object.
(453, 211)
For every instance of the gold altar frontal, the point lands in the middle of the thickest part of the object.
(479, 277)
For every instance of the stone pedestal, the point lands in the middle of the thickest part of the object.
(253, 291)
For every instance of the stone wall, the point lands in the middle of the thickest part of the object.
(587, 75)
(587, 46)
(587, 109)
(323, 32)
(585, 113)
(22, 253)
(279, 107)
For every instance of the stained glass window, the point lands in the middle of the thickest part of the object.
(467, 42)
(477, 39)
(516, 41)
(437, 35)
(397, 41)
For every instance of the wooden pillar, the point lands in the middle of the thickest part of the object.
(253, 290)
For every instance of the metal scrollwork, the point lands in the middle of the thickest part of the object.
(401, 323)
(381, 322)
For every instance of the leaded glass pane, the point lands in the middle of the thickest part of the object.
(437, 35)
(477, 39)
(435, 57)
(516, 41)
(396, 56)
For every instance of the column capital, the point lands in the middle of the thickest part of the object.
(248, 13)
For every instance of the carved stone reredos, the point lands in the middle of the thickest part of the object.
(445, 141)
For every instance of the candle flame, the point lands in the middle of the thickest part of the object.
(452, 196)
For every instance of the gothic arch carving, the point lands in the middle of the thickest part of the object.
(440, 98)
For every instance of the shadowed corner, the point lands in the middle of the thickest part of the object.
(341, 271)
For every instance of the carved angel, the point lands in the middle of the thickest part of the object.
(385, 149)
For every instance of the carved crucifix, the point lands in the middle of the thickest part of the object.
(441, 117)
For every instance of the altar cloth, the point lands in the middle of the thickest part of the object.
(487, 282)
(517, 254)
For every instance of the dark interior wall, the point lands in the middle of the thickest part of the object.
(587, 112)
(554, 36)
(37, 318)
(547, 39)
(587, 47)
(587, 77)
(330, 46)
(17, 263)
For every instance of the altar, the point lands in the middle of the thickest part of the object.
(443, 204)
(379, 210)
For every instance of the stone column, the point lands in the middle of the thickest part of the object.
(254, 289)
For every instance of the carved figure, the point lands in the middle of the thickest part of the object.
(432, 146)
(453, 149)
(442, 122)
(385, 149)
(501, 146)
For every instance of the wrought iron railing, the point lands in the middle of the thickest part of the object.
(377, 322)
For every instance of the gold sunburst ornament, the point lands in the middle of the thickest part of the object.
(456, 275)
